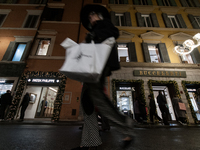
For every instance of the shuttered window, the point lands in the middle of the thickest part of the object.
(147, 20)
(166, 2)
(9, 1)
(155, 53)
(97, 1)
(53, 14)
(16, 51)
(2, 18)
(118, 1)
(174, 21)
(142, 2)
(121, 19)
(31, 21)
(38, 1)
(127, 52)
(195, 21)
(190, 3)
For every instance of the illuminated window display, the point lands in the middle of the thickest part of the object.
(125, 102)
(5, 85)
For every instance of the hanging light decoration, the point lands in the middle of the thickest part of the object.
(188, 46)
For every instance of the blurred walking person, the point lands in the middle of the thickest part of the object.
(6, 100)
(24, 105)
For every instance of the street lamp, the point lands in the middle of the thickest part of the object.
(188, 45)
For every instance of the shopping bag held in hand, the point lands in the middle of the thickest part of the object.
(181, 106)
(85, 61)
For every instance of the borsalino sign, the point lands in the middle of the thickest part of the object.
(158, 73)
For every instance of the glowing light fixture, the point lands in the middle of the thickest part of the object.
(188, 45)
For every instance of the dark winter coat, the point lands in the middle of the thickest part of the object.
(161, 100)
(26, 100)
(102, 30)
(6, 99)
(152, 105)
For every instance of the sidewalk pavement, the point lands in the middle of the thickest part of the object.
(42, 121)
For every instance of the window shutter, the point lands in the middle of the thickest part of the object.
(27, 48)
(195, 56)
(10, 51)
(44, 1)
(172, 2)
(113, 18)
(181, 21)
(193, 22)
(132, 52)
(146, 52)
(127, 19)
(125, 1)
(166, 20)
(160, 3)
(149, 2)
(163, 52)
(15, 1)
(111, 1)
(154, 20)
(31, 2)
(136, 2)
(139, 19)
(196, 2)
(184, 3)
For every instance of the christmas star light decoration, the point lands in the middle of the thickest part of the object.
(188, 46)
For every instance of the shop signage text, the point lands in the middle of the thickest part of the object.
(125, 88)
(43, 80)
(159, 73)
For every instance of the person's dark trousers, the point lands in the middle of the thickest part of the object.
(3, 109)
(105, 123)
(153, 113)
(23, 109)
(164, 114)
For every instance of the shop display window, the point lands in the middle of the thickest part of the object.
(6, 85)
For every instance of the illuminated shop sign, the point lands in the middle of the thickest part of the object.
(43, 80)
(125, 88)
(2, 81)
(160, 73)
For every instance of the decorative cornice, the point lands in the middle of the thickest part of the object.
(180, 36)
(170, 10)
(119, 7)
(47, 32)
(56, 5)
(125, 34)
(151, 35)
(193, 11)
(145, 9)
(159, 65)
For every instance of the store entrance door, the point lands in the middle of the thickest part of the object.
(165, 92)
(193, 99)
(46, 102)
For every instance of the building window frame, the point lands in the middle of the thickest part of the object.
(32, 13)
(156, 53)
(166, 3)
(37, 43)
(123, 48)
(197, 19)
(4, 12)
(120, 17)
(173, 21)
(147, 20)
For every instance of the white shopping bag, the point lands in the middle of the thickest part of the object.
(85, 62)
